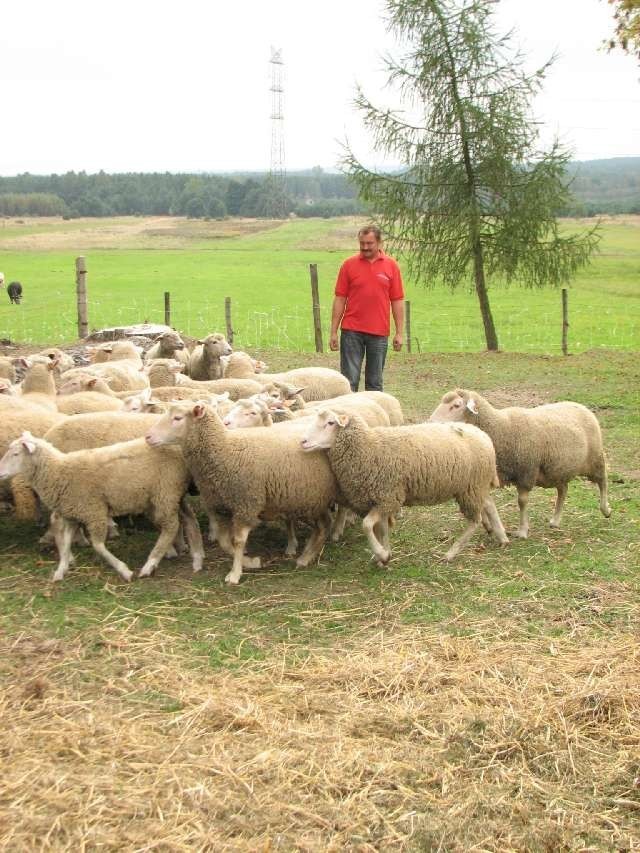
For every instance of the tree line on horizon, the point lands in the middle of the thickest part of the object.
(310, 193)
(598, 186)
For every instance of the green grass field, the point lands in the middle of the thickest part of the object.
(264, 268)
(492, 704)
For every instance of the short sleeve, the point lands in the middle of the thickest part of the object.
(342, 282)
(396, 290)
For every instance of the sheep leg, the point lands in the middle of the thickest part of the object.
(315, 542)
(373, 518)
(292, 541)
(459, 544)
(214, 523)
(523, 499)
(194, 536)
(339, 522)
(224, 541)
(491, 515)
(112, 532)
(63, 531)
(168, 533)
(605, 509)
(97, 535)
(557, 513)
(239, 539)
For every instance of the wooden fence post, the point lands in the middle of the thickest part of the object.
(565, 319)
(167, 308)
(315, 299)
(81, 297)
(407, 320)
(227, 317)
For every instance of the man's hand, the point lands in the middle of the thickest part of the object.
(397, 342)
(333, 342)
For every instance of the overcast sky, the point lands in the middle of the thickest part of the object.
(149, 86)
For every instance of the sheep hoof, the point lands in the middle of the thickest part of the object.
(521, 534)
(232, 579)
(383, 559)
(302, 563)
(171, 553)
(554, 524)
(57, 576)
(607, 511)
(144, 572)
(197, 564)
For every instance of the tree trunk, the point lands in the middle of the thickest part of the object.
(483, 298)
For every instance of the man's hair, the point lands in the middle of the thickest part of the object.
(371, 229)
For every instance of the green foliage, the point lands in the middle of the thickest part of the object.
(627, 30)
(474, 196)
(31, 204)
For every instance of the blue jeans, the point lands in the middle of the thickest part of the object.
(354, 346)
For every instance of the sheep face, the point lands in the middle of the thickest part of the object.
(13, 461)
(248, 413)
(455, 406)
(172, 428)
(62, 359)
(170, 341)
(216, 345)
(84, 382)
(323, 431)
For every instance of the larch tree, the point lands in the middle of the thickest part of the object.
(627, 26)
(474, 198)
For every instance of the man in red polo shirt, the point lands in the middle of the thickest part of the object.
(368, 285)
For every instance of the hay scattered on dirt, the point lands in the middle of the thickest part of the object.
(411, 740)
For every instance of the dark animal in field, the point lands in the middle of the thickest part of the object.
(15, 292)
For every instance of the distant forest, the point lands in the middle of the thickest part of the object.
(598, 186)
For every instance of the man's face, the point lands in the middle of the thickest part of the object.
(369, 246)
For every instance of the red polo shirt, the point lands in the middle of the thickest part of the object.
(370, 287)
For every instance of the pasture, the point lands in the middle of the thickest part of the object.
(491, 704)
(264, 268)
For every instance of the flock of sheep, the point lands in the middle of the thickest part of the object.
(122, 435)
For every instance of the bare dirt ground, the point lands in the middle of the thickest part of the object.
(56, 234)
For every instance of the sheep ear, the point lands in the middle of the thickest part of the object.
(199, 343)
(342, 420)
(53, 363)
(296, 391)
(26, 439)
(92, 383)
(145, 395)
(222, 398)
(198, 410)
(23, 362)
(472, 406)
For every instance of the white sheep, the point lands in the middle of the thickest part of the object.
(240, 365)
(88, 486)
(7, 368)
(545, 446)
(122, 375)
(115, 351)
(381, 469)
(204, 363)
(164, 373)
(169, 345)
(254, 474)
(314, 383)
(256, 411)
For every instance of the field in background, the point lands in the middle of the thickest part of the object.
(492, 704)
(264, 268)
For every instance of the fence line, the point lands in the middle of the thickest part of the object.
(52, 318)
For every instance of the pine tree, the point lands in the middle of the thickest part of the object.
(475, 199)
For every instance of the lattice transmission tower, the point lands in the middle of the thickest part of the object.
(277, 181)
